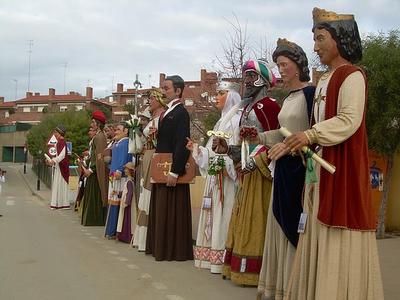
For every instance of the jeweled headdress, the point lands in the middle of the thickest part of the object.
(224, 85)
(322, 15)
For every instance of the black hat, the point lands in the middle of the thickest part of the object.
(61, 129)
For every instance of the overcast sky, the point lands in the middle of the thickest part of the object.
(104, 42)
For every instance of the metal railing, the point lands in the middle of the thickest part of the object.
(43, 172)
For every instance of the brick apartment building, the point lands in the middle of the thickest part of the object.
(197, 96)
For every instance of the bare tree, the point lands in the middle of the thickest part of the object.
(236, 50)
(264, 49)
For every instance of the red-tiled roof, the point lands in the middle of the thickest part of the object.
(7, 104)
(47, 98)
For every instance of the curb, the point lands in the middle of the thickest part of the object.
(34, 193)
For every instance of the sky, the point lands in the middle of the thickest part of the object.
(76, 43)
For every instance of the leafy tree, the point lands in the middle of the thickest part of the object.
(76, 122)
(130, 108)
(107, 112)
(381, 60)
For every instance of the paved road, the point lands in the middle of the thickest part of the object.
(47, 254)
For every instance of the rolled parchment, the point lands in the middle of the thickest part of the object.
(327, 166)
(47, 157)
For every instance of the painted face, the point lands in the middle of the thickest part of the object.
(120, 132)
(169, 92)
(109, 131)
(94, 125)
(57, 134)
(251, 90)
(287, 68)
(91, 132)
(325, 46)
(220, 99)
(154, 104)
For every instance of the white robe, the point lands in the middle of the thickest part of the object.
(213, 223)
(59, 188)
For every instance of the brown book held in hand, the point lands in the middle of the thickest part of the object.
(161, 164)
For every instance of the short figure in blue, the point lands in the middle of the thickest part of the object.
(120, 157)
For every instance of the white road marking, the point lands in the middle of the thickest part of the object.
(174, 297)
(113, 252)
(93, 237)
(10, 197)
(159, 285)
(120, 258)
(132, 267)
(10, 202)
(146, 276)
(87, 233)
(100, 242)
(83, 230)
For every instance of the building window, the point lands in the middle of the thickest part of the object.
(78, 107)
(26, 109)
(6, 114)
(129, 101)
(63, 108)
(40, 108)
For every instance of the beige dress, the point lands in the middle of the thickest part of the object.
(334, 263)
(278, 251)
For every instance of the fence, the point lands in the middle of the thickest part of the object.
(42, 171)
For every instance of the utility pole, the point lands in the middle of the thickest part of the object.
(65, 74)
(112, 83)
(29, 63)
(16, 88)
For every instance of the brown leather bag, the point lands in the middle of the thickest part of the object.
(161, 165)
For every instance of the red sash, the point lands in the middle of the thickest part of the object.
(345, 197)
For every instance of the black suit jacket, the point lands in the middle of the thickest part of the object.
(173, 130)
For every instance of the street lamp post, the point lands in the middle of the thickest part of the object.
(25, 156)
(137, 85)
(38, 172)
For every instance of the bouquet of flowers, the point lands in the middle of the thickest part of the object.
(216, 166)
(135, 142)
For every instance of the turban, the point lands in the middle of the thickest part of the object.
(260, 67)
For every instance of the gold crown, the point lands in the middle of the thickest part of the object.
(285, 42)
(322, 15)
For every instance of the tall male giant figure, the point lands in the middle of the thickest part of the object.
(169, 234)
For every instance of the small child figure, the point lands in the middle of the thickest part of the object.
(128, 210)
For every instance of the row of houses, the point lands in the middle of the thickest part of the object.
(17, 116)
(197, 97)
